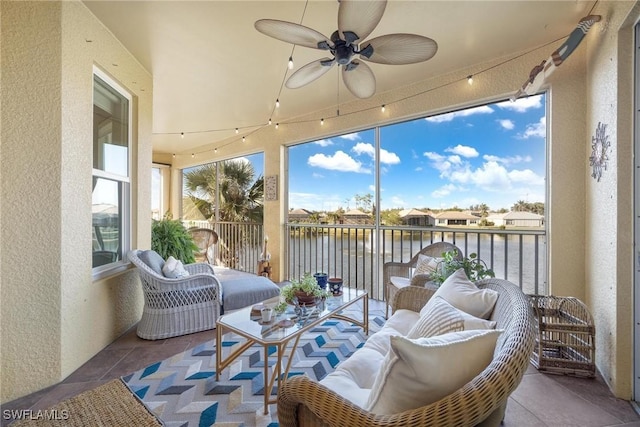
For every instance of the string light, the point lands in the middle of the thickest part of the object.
(278, 103)
(182, 135)
(215, 150)
(470, 79)
(193, 155)
(174, 155)
(236, 131)
(382, 109)
(269, 121)
(243, 139)
(277, 124)
(290, 64)
(321, 121)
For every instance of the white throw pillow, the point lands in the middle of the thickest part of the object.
(426, 265)
(441, 317)
(419, 372)
(174, 269)
(464, 295)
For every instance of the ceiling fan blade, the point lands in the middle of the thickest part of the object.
(360, 17)
(290, 32)
(309, 73)
(398, 49)
(359, 80)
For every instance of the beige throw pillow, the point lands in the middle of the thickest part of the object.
(464, 295)
(426, 265)
(441, 318)
(419, 372)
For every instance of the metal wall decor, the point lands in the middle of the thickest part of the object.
(271, 187)
(599, 146)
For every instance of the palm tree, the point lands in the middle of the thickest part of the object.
(232, 187)
(241, 195)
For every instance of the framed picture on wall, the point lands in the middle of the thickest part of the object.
(271, 187)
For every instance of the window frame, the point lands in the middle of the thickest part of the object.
(125, 201)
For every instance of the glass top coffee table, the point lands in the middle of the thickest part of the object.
(283, 333)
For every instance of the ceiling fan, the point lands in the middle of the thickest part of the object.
(356, 20)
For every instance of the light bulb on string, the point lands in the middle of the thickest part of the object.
(269, 121)
(382, 108)
(290, 64)
(277, 125)
(237, 131)
(182, 135)
(215, 150)
(470, 79)
(193, 155)
(321, 121)
(243, 139)
(278, 103)
(174, 155)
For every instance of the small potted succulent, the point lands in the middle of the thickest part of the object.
(305, 291)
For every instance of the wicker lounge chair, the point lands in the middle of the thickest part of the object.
(204, 238)
(175, 307)
(397, 275)
(482, 401)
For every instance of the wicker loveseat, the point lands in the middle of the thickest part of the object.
(481, 401)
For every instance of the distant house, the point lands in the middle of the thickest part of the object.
(356, 216)
(299, 215)
(517, 219)
(456, 218)
(416, 217)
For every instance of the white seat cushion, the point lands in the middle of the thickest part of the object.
(422, 371)
(400, 282)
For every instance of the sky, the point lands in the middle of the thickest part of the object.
(492, 154)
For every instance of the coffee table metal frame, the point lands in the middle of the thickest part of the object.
(272, 335)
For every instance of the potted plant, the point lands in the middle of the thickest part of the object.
(170, 238)
(305, 291)
(473, 266)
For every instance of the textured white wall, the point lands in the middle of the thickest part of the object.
(54, 317)
(609, 203)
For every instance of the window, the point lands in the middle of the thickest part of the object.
(111, 184)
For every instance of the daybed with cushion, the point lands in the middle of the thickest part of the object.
(183, 304)
(440, 363)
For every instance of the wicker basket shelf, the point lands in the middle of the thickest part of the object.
(565, 336)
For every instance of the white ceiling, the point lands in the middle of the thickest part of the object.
(212, 70)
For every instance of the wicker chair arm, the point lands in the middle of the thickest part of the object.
(412, 297)
(199, 267)
(420, 280)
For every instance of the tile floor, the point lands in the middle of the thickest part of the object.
(539, 400)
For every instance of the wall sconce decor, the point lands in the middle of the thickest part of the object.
(271, 187)
(599, 146)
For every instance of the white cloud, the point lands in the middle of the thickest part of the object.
(456, 160)
(521, 105)
(507, 124)
(439, 162)
(317, 175)
(315, 202)
(351, 136)
(507, 160)
(372, 188)
(447, 117)
(536, 130)
(463, 150)
(397, 202)
(386, 157)
(443, 191)
(526, 176)
(418, 169)
(339, 161)
(323, 142)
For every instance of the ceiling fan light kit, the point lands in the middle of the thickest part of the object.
(356, 20)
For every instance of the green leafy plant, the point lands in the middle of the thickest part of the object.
(170, 238)
(307, 284)
(473, 266)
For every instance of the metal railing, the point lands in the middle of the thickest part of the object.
(239, 244)
(358, 253)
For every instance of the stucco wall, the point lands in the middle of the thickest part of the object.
(54, 317)
(609, 243)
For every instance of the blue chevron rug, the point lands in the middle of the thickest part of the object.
(183, 391)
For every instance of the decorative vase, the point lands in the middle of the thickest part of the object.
(335, 286)
(321, 278)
